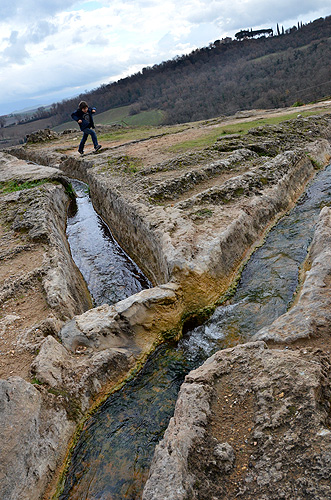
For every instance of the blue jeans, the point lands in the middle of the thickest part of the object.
(86, 133)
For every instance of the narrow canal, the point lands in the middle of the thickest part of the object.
(113, 454)
(109, 272)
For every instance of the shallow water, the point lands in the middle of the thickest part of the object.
(109, 272)
(268, 281)
(113, 455)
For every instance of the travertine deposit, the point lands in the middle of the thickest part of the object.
(189, 220)
(40, 290)
(250, 423)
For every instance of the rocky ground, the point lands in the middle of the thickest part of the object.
(189, 219)
(252, 422)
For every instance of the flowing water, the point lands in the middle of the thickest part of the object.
(109, 272)
(114, 451)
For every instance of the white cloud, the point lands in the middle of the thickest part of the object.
(63, 47)
(29, 9)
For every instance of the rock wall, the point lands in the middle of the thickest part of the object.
(41, 213)
(128, 221)
(36, 269)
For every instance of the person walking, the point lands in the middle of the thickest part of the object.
(83, 116)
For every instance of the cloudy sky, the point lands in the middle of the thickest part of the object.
(54, 49)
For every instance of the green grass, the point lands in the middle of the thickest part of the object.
(36, 381)
(138, 133)
(122, 116)
(129, 164)
(237, 128)
(11, 186)
(110, 116)
(154, 117)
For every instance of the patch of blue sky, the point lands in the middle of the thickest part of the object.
(87, 6)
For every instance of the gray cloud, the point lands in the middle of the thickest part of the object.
(77, 39)
(100, 40)
(16, 51)
(42, 30)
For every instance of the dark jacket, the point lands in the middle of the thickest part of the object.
(79, 115)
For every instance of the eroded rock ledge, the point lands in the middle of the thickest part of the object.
(40, 289)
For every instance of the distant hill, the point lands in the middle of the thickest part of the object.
(292, 67)
(223, 78)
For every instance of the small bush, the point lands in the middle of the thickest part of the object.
(297, 104)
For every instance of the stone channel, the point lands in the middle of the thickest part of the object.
(113, 455)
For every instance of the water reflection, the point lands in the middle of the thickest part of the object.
(112, 458)
(109, 272)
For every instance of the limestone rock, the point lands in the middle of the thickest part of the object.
(79, 378)
(134, 323)
(223, 456)
(35, 431)
(12, 168)
(41, 136)
(272, 405)
(51, 362)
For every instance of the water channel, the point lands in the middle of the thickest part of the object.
(109, 272)
(113, 454)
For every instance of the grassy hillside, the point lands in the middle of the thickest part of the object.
(121, 115)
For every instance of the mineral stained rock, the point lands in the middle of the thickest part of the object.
(311, 315)
(254, 422)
